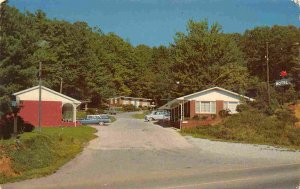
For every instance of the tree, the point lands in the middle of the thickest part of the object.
(282, 54)
(17, 47)
(205, 57)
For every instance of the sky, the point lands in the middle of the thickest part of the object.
(155, 22)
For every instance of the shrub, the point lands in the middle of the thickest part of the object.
(81, 114)
(7, 126)
(196, 117)
(224, 113)
(129, 108)
(204, 117)
(92, 111)
(213, 116)
(285, 114)
(243, 107)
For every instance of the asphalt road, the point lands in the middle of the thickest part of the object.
(131, 154)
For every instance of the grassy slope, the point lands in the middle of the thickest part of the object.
(112, 118)
(297, 113)
(38, 154)
(251, 127)
(140, 115)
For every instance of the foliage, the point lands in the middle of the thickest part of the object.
(94, 66)
(81, 114)
(205, 57)
(129, 108)
(283, 54)
(38, 154)
(224, 113)
(254, 126)
(7, 126)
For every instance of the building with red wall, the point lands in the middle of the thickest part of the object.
(56, 109)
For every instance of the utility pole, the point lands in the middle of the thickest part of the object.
(61, 83)
(268, 74)
(40, 96)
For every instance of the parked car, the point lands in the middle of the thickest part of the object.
(157, 115)
(95, 119)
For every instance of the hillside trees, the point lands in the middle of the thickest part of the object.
(17, 47)
(283, 55)
(282, 51)
(94, 65)
(205, 57)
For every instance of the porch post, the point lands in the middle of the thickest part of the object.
(181, 116)
(74, 114)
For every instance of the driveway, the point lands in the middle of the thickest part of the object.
(131, 153)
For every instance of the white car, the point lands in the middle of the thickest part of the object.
(157, 115)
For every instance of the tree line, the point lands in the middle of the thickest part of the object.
(94, 65)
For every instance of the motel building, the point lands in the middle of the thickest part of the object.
(56, 109)
(125, 100)
(203, 107)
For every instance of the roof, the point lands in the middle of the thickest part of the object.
(128, 97)
(214, 88)
(49, 90)
(186, 97)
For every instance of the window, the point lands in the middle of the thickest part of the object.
(205, 107)
(231, 106)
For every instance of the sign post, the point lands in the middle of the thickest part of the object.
(282, 83)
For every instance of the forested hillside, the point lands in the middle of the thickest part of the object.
(94, 65)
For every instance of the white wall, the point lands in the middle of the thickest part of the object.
(46, 96)
(214, 95)
(125, 101)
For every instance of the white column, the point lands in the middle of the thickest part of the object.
(181, 111)
(74, 114)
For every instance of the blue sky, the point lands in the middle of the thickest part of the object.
(155, 22)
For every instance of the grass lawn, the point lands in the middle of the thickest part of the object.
(38, 154)
(140, 115)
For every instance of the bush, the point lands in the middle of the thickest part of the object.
(224, 113)
(204, 117)
(196, 117)
(129, 108)
(92, 111)
(7, 126)
(243, 107)
(81, 114)
(285, 114)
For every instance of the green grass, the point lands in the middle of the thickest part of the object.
(252, 127)
(42, 153)
(140, 115)
(112, 118)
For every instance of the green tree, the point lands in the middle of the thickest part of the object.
(206, 57)
(282, 53)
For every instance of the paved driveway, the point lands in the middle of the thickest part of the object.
(132, 153)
